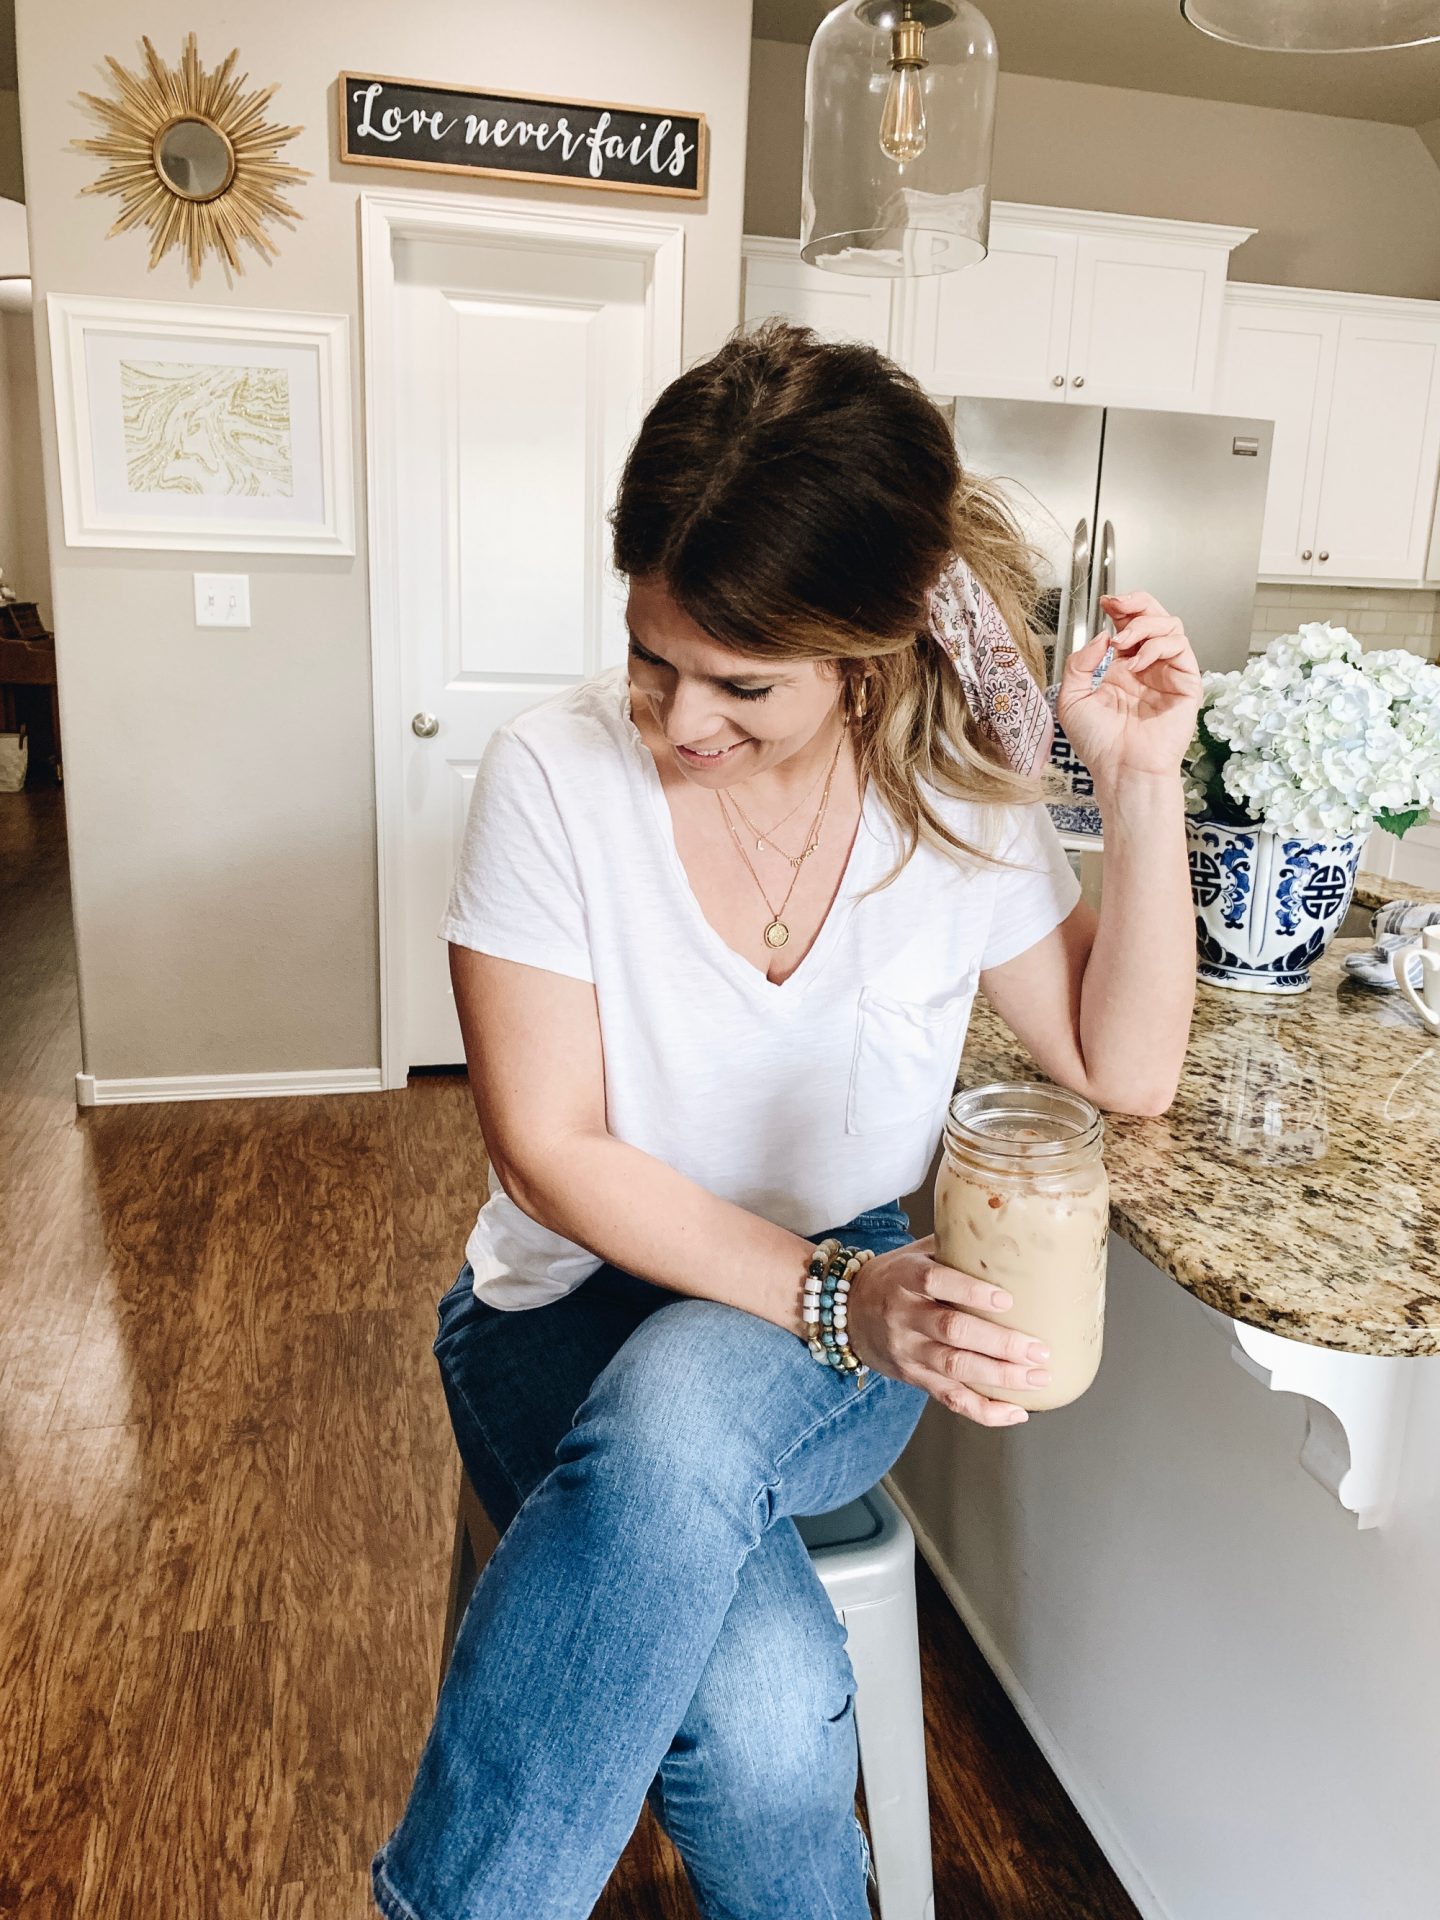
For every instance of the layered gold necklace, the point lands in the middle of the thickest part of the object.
(777, 932)
(765, 837)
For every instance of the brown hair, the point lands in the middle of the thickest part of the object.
(799, 498)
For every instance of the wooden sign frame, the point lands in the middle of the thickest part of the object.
(654, 122)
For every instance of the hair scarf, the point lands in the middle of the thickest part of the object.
(1007, 705)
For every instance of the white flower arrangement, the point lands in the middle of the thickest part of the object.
(1317, 736)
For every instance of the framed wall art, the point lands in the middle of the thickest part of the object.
(439, 127)
(191, 159)
(192, 428)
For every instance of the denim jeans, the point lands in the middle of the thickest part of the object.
(650, 1626)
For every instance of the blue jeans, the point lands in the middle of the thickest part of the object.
(650, 1626)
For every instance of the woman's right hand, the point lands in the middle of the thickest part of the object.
(914, 1319)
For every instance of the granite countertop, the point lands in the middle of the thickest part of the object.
(1372, 891)
(1295, 1182)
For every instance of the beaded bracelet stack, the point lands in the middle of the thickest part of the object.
(826, 1306)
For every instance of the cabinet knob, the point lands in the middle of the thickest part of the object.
(1306, 554)
(425, 725)
(1058, 381)
(1078, 381)
(1322, 555)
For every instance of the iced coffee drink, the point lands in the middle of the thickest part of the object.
(1022, 1201)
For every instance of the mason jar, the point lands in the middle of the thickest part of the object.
(1022, 1201)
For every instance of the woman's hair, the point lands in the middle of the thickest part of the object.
(798, 498)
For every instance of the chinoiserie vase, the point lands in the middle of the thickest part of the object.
(1267, 904)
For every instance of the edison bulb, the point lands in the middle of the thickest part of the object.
(902, 122)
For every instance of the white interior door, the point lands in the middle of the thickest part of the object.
(520, 376)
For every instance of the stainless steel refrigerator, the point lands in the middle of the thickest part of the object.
(1118, 500)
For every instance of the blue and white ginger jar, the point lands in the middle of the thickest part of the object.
(1267, 904)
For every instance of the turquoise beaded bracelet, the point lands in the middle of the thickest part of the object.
(826, 1307)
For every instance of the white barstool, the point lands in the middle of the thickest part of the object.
(864, 1554)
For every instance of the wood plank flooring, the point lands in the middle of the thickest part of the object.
(227, 1487)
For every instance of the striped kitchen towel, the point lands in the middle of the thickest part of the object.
(1393, 926)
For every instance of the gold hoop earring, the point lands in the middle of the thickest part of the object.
(860, 698)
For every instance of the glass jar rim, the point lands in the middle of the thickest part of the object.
(1040, 1101)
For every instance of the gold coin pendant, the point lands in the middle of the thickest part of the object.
(776, 934)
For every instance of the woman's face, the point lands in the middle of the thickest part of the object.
(727, 716)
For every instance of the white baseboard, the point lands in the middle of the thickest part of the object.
(91, 1092)
(1081, 1794)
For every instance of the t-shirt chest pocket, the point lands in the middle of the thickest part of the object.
(906, 1053)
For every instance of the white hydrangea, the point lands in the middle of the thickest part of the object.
(1316, 736)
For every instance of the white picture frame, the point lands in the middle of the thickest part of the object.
(202, 429)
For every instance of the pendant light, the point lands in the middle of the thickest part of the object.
(899, 126)
(1316, 26)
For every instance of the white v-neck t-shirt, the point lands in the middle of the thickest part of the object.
(807, 1102)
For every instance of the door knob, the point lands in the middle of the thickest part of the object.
(1306, 554)
(1322, 555)
(1078, 381)
(1058, 381)
(426, 725)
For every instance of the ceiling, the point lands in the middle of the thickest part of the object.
(1146, 44)
(1131, 43)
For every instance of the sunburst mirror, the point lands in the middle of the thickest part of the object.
(192, 158)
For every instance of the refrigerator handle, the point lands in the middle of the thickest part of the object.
(1070, 632)
(1104, 581)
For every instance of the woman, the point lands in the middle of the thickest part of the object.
(716, 929)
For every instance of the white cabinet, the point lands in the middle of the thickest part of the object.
(1352, 383)
(1278, 363)
(1382, 451)
(1100, 309)
(1097, 308)
(1145, 330)
(841, 306)
(1002, 327)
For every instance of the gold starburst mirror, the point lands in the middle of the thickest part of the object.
(192, 158)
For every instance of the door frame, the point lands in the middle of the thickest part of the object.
(386, 217)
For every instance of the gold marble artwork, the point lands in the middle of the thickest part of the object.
(1295, 1182)
(203, 428)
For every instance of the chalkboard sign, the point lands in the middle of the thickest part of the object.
(386, 122)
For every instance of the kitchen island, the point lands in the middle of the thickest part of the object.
(1225, 1652)
(1374, 890)
(1310, 1121)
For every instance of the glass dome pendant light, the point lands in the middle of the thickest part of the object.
(1316, 26)
(899, 128)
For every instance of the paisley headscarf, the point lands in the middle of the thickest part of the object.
(1000, 691)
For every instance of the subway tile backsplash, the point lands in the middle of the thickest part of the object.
(1377, 616)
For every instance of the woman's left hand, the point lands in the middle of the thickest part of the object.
(1141, 716)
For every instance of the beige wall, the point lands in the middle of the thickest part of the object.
(220, 785)
(24, 552)
(1350, 204)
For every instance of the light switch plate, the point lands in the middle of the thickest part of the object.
(222, 599)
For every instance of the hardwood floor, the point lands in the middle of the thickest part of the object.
(227, 1487)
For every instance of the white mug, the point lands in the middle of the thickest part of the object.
(1427, 1002)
